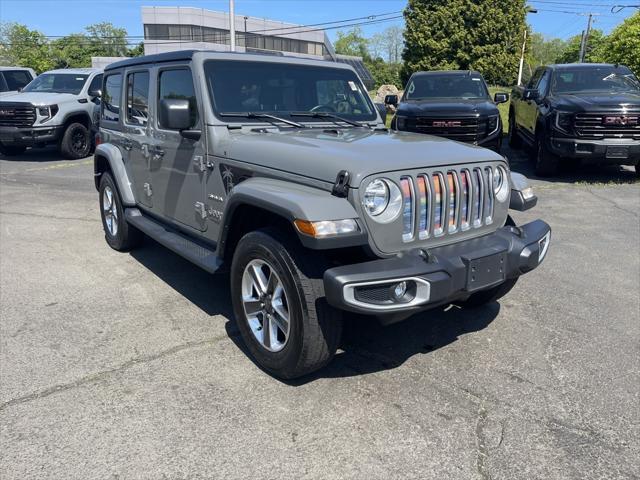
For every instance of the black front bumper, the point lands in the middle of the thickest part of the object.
(452, 272)
(610, 151)
(30, 136)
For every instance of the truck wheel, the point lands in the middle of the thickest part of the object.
(514, 140)
(11, 150)
(279, 305)
(546, 162)
(117, 232)
(76, 142)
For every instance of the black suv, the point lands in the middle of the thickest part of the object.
(452, 104)
(588, 112)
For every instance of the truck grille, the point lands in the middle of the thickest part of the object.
(607, 125)
(17, 114)
(445, 202)
(461, 129)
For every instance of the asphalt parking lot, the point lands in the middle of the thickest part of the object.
(129, 366)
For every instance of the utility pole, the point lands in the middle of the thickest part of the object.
(524, 44)
(585, 39)
(232, 25)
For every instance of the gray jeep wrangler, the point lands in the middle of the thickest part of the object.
(281, 171)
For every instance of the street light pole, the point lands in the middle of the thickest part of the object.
(232, 25)
(585, 39)
(527, 9)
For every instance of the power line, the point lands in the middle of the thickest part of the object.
(368, 17)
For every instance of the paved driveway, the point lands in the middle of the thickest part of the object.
(129, 366)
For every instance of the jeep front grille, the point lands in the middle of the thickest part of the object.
(447, 201)
(17, 114)
(607, 125)
(440, 205)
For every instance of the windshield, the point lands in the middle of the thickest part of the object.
(282, 89)
(57, 83)
(446, 86)
(607, 79)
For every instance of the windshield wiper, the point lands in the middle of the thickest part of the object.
(331, 116)
(262, 115)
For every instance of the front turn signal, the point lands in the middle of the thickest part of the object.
(326, 228)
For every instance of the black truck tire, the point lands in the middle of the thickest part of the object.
(12, 150)
(117, 232)
(514, 139)
(546, 163)
(313, 327)
(76, 142)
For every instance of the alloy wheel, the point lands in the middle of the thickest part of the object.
(265, 305)
(110, 211)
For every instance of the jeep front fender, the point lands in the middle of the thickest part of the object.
(294, 202)
(112, 155)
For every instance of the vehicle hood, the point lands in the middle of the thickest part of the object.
(459, 107)
(594, 102)
(37, 98)
(321, 153)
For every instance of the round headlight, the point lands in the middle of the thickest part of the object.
(376, 197)
(382, 200)
(500, 184)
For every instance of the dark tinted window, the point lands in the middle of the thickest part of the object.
(3, 84)
(533, 81)
(96, 83)
(138, 98)
(241, 87)
(111, 97)
(446, 86)
(544, 82)
(178, 84)
(595, 79)
(16, 79)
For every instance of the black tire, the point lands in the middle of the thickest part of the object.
(638, 169)
(514, 139)
(314, 326)
(76, 142)
(546, 163)
(124, 237)
(484, 297)
(12, 150)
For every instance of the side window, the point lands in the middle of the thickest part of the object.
(544, 83)
(533, 81)
(111, 97)
(96, 83)
(178, 84)
(138, 98)
(16, 79)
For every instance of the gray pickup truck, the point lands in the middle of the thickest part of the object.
(281, 171)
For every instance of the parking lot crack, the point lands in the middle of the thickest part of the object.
(96, 377)
(615, 205)
(482, 451)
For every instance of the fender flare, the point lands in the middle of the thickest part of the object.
(113, 156)
(522, 197)
(293, 201)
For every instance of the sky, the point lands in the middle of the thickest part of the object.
(555, 18)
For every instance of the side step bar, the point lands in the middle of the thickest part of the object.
(203, 256)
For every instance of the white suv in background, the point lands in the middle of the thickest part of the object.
(58, 107)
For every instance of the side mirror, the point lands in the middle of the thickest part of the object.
(96, 93)
(391, 100)
(175, 114)
(531, 94)
(501, 97)
(382, 110)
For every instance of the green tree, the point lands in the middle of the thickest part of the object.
(20, 46)
(100, 40)
(136, 51)
(352, 43)
(594, 51)
(623, 44)
(542, 50)
(484, 35)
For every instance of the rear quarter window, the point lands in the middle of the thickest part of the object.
(111, 97)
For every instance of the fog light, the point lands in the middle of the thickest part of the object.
(400, 290)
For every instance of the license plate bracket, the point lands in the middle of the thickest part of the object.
(485, 270)
(617, 151)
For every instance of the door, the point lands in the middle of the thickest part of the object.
(136, 129)
(533, 105)
(177, 179)
(524, 110)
